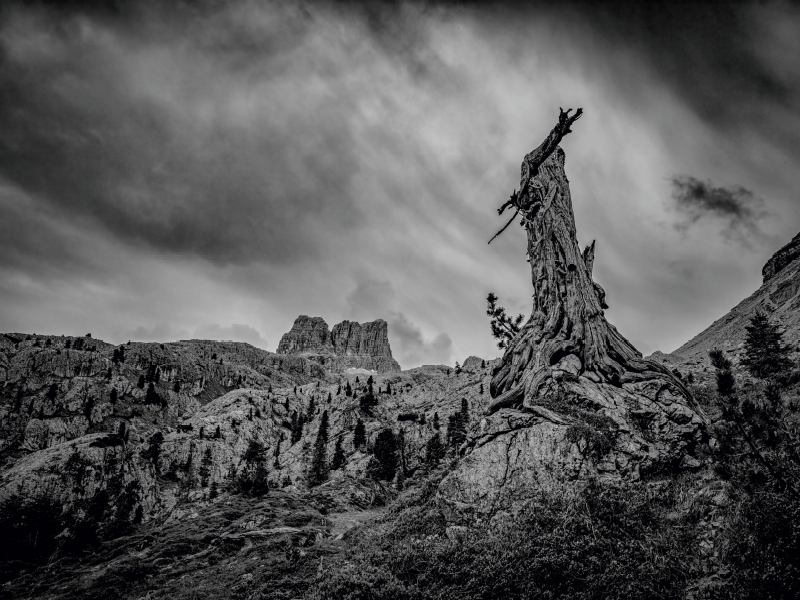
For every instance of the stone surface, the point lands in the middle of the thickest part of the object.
(782, 258)
(65, 444)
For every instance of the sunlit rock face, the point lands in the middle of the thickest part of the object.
(348, 345)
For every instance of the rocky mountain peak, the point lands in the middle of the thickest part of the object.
(782, 258)
(308, 334)
(348, 344)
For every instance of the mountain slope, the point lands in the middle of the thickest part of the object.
(778, 296)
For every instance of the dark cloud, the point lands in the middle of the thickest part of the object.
(180, 144)
(202, 161)
(736, 207)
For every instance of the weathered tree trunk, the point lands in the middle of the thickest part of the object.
(567, 328)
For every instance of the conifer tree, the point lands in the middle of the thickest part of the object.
(359, 435)
(458, 369)
(205, 467)
(312, 407)
(177, 387)
(140, 384)
(217, 433)
(339, 390)
(434, 450)
(113, 396)
(436, 421)
(318, 472)
(386, 455)
(330, 398)
(765, 354)
(388, 387)
(348, 391)
(323, 426)
(152, 397)
(481, 390)
(339, 459)
(52, 391)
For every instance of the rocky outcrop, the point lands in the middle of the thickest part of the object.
(308, 334)
(782, 258)
(348, 345)
(372, 339)
(778, 296)
(75, 442)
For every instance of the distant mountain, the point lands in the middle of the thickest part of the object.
(348, 345)
(778, 296)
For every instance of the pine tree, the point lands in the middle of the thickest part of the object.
(481, 390)
(339, 390)
(323, 426)
(348, 391)
(214, 492)
(177, 387)
(483, 364)
(140, 384)
(386, 455)
(458, 369)
(456, 430)
(318, 472)
(312, 407)
(330, 398)
(293, 428)
(765, 354)
(434, 450)
(205, 467)
(52, 391)
(217, 433)
(388, 387)
(436, 421)
(359, 435)
(504, 327)
(339, 459)
(113, 396)
(152, 397)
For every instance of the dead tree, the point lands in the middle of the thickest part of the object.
(567, 318)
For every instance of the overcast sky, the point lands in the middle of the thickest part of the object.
(214, 169)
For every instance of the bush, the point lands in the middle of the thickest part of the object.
(602, 543)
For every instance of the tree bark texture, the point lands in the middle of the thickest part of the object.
(567, 318)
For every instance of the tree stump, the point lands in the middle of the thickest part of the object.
(567, 329)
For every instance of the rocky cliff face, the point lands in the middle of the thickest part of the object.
(778, 296)
(348, 345)
(308, 334)
(782, 258)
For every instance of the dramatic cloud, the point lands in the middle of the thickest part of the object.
(738, 208)
(168, 165)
